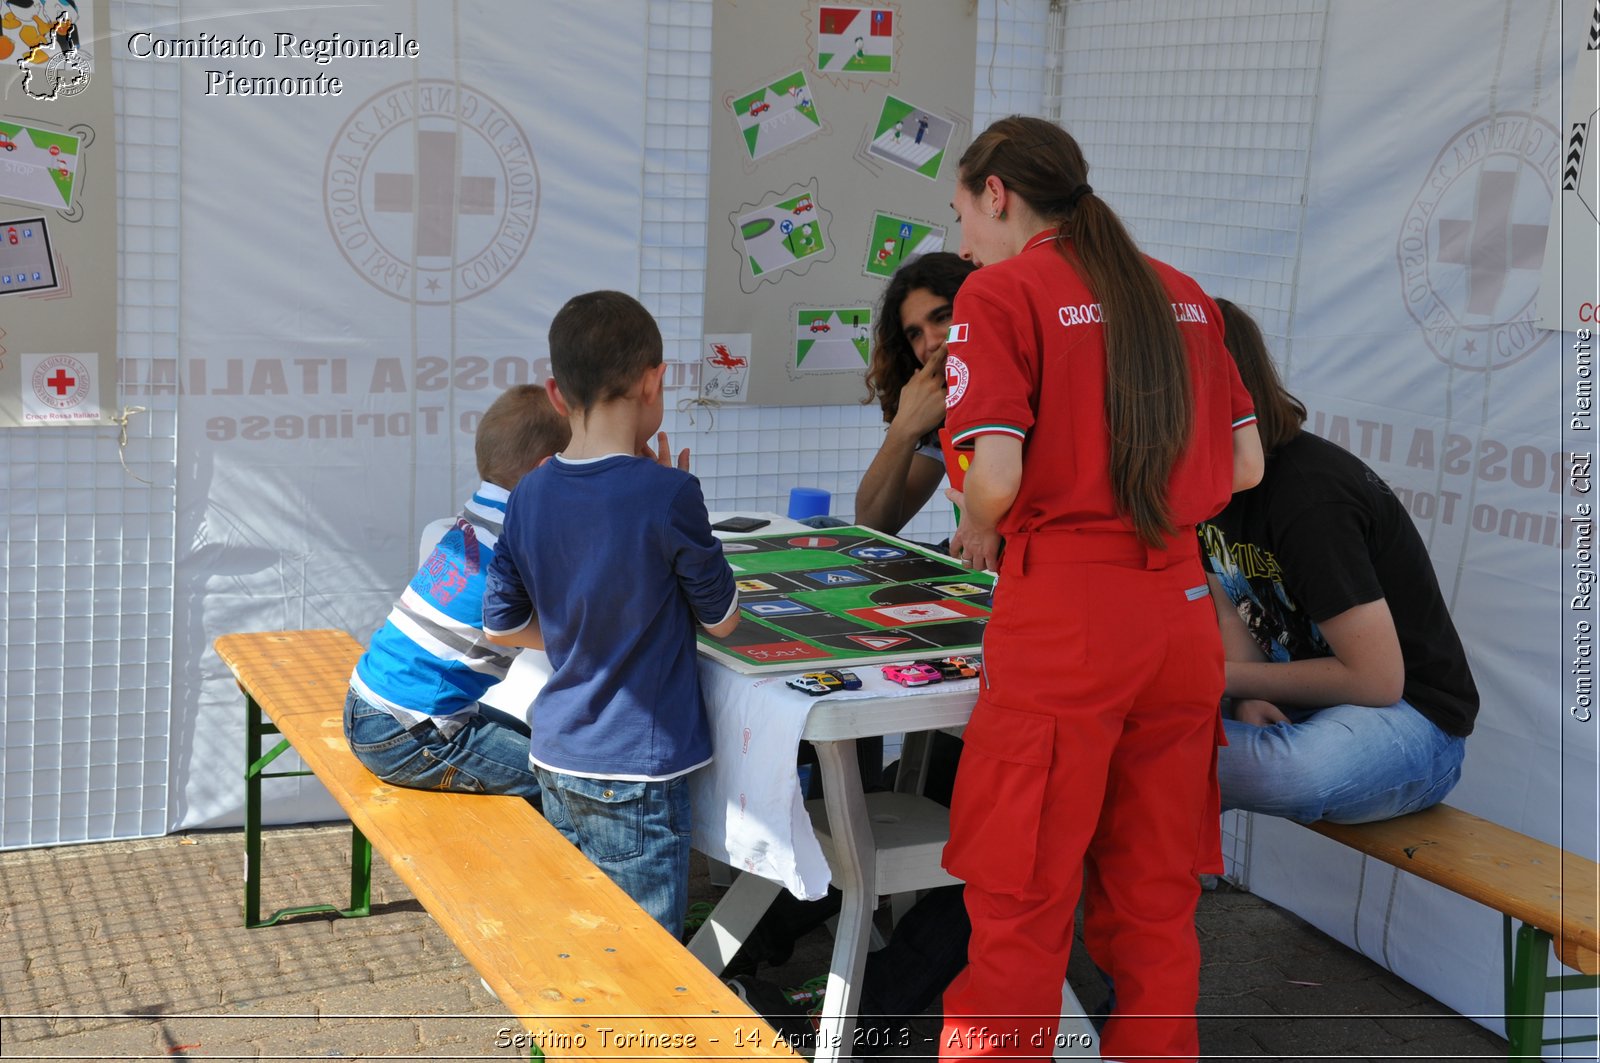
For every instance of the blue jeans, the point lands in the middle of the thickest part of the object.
(636, 832)
(1344, 764)
(488, 755)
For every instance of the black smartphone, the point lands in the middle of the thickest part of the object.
(740, 524)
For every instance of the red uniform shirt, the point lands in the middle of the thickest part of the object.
(1027, 359)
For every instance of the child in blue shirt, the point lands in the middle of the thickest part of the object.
(608, 563)
(412, 716)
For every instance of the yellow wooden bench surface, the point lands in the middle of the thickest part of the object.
(1528, 880)
(560, 944)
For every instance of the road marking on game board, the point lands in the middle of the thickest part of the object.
(879, 642)
(918, 612)
(961, 590)
(738, 548)
(782, 651)
(837, 577)
(814, 542)
(753, 585)
(878, 553)
(780, 607)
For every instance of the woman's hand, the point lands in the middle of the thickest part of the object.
(1257, 713)
(974, 546)
(662, 455)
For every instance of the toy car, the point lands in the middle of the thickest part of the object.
(915, 674)
(808, 684)
(953, 667)
(847, 680)
(759, 106)
(819, 326)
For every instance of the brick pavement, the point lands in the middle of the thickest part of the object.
(135, 949)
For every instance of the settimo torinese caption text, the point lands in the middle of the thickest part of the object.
(318, 51)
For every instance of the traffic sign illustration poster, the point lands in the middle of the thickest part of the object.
(58, 216)
(855, 40)
(834, 149)
(895, 240)
(833, 339)
(782, 234)
(776, 115)
(1569, 284)
(39, 166)
(912, 137)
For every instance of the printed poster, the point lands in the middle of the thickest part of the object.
(58, 215)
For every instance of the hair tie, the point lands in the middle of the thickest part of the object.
(1077, 194)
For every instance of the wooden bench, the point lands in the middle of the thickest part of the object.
(1550, 892)
(565, 950)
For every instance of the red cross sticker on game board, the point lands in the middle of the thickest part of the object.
(61, 383)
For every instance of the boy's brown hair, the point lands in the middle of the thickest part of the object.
(600, 344)
(518, 431)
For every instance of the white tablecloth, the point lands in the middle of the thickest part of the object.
(748, 808)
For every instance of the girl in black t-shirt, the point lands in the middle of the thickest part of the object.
(1351, 694)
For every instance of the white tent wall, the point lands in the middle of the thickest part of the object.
(1277, 149)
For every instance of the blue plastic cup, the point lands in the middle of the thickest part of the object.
(808, 502)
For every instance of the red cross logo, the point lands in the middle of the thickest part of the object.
(61, 382)
(1490, 245)
(441, 193)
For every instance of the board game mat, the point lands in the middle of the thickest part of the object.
(842, 596)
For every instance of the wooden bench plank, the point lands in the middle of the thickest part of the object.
(561, 945)
(1534, 882)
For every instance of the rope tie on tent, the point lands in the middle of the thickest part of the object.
(121, 422)
(688, 403)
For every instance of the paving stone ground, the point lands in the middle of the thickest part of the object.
(126, 950)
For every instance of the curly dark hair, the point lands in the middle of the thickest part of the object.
(940, 272)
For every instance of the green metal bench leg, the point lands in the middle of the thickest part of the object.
(1529, 963)
(252, 813)
(255, 765)
(360, 874)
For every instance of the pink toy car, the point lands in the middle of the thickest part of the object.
(915, 674)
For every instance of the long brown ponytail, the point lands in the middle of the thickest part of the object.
(1148, 406)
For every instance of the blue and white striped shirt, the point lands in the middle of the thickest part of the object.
(430, 660)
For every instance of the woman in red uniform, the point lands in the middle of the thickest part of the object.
(1106, 419)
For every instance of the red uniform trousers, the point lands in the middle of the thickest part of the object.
(1090, 758)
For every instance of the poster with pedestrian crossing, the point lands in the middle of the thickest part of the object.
(834, 136)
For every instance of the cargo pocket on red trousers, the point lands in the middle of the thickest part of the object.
(998, 805)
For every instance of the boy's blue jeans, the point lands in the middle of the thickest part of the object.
(488, 755)
(636, 832)
(1344, 764)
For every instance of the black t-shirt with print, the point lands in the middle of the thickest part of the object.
(1323, 533)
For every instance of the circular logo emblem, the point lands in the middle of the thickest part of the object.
(61, 381)
(955, 380)
(1471, 246)
(431, 191)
